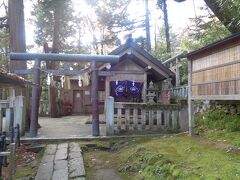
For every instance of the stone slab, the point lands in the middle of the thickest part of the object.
(61, 164)
(74, 147)
(61, 174)
(74, 155)
(47, 158)
(45, 171)
(51, 149)
(63, 146)
(76, 168)
(61, 154)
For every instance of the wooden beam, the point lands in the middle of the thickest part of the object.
(106, 73)
(179, 56)
(217, 66)
(211, 82)
(151, 64)
(62, 72)
(217, 97)
(190, 111)
(177, 73)
(63, 57)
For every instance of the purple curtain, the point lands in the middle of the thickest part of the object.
(125, 90)
(134, 89)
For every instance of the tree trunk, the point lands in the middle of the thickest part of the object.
(225, 13)
(16, 31)
(148, 38)
(52, 65)
(166, 25)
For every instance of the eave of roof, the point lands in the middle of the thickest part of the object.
(13, 78)
(143, 53)
(230, 39)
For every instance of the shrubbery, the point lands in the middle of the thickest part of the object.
(219, 120)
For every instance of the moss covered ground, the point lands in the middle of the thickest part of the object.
(164, 157)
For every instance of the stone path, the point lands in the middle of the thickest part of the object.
(67, 126)
(61, 162)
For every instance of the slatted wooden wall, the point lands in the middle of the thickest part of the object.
(217, 74)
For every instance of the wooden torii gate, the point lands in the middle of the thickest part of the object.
(38, 57)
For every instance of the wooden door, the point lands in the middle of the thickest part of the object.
(77, 101)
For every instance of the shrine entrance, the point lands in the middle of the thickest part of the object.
(38, 57)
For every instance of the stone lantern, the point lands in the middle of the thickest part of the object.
(151, 93)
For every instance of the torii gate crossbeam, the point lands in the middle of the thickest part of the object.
(38, 57)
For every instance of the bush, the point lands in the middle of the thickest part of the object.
(219, 120)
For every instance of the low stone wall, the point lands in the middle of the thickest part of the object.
(229, 107)
(124, 117)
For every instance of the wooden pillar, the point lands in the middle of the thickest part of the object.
(144, 90)
(190, 107)
(94, 100)
(35, 100)
(177, 73)
(107, 87)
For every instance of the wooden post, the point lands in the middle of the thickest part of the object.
(144, 90)
(7, 119)
(11, 167)
(35, 100)
(190, 113)
(110, 115)
(177, 73)
(94, 98)
(119, 118)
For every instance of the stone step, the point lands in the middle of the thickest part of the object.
(62, 162)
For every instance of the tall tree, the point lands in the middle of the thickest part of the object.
(227, 11)
(17, 42)
(4, 36)
(162, 4)
(204, 30)
(111, 20)
(52, 21)
(148, 37)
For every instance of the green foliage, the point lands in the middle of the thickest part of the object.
(151, 165)
(203, 31)
(229, 10)
(160, 50)
(3, 48)
(112, 18)
(44, 20)
(219, 120)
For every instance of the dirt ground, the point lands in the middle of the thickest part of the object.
(101, 166)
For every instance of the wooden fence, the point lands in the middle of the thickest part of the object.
(124, 117)
(13, 112)
(179, 92)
